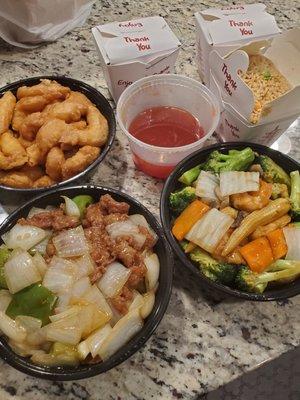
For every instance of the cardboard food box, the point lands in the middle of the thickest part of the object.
(237, 99)
(228, 28)
(134, 49)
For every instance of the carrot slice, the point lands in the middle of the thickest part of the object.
(278, 243)
(258, 254)
(188, 218)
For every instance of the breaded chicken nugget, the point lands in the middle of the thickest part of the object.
(7, 105)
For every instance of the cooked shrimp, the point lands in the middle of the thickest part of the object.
(50, 133)
(80, 98)
(25, 143)
(7, 105)
(44, 181)
(54, 162)
(12, 153)
(35, 155)
(25, 106)
(95, 134)
(252, 201)
(33, 173)
(78, 125)
(15, 179)
(77, 163)
(31, 124)
(48, 88)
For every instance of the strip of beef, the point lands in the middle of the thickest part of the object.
(132, 259)
(53, 219)
(101, 249)
(112, 206)
(122, 301)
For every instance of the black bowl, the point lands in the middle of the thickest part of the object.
(161, 301)
(100, 102)
(276, 293)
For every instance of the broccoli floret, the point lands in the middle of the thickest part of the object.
(235, 160)
(190, 176)
(281, 271)
(217, 271)
(180, 199)
(273, 173)
(295, 194)
(279, 190)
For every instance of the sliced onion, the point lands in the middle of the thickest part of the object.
(71, 243)
(137, 302)
(20, 272)
(31, 324)
(140, 220)
(126, 228)
(90, 318)
(147, 307)
(93, 295)
(292, 237)
(80, 287)
(22, 348)
(34, 211)
(23, 237)
(67, 266)
(41, 247)
(65, 331)
(69, 312)
(58, 281)
(152, 275)
(71, 207)
(5, 299)
(113, 280)
(92, 343)
(40, 264)
(50, 360)
(37, 338)
(85, 265)
(11, 329)
(121, 333)
(116, 315)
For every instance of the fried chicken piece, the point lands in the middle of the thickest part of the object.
(112, 206)
(95, 134)
(7, 105)
(15, 179)
(44, 181)
(54, 163)
(12, 153)
(83, 158)
(54, 219)
(150, 239)
(49, 134)
(94, 216)
(52, 89)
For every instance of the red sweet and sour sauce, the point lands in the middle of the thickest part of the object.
(164, 127)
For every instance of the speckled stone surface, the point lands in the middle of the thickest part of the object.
(202, 342)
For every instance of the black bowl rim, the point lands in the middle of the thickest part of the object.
(104, 150)
(21, 363)
(271, 295)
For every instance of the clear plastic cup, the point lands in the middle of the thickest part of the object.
(166, 90)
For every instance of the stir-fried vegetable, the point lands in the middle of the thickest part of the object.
(71, 207)
(292, 237)
(35, 301)
(113, 280)
(23, 237)
(295, 194)
(180, 199)
(152, 275)
(83, 201)
(188, 177)
(5, 299)
(207, 183)
(258, 254)
(189, 216)
(4, 255)
(278, 243)
(124, 228)
(273, 173)
(235, 160)
(210, 229)
(11, 329)
(277, 224)
(268, 214)
(232, 182)
(71, 243)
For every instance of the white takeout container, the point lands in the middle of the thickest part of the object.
(228, 28)
(134, 49)
(236, 98)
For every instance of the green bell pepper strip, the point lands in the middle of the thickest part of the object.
(82, 201)
(4, 255)
(35, 301)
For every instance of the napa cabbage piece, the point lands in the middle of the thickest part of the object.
(71, 243)
(94, 295)
(40, 264)
(292, 237)
(113, 280)
(20, 271)
(152, 264)
(11, 329)
(210, 229)
(207, 183)
(31, 324)
(93, 343)
(71, 207)
(23, 237)
(232, 182)
(126, 228)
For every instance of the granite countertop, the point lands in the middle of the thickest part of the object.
(202, 342)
